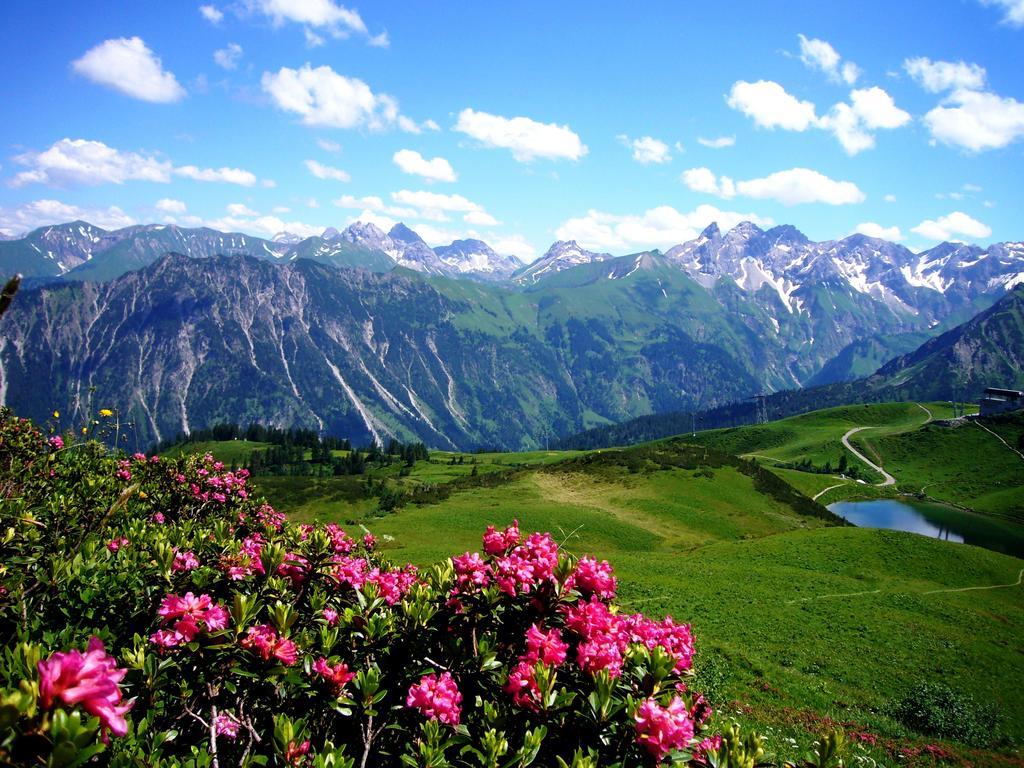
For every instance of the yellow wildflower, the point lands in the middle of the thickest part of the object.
(106, 412)
(56, 414)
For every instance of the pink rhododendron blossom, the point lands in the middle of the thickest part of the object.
(158, 517)
(295, 567)
(545, 646)
(115, 544)
(330, 616)
(56, 442)
(522, 686)
(185, 561)
(471, 572)
(663, 729)
(594, 578)
(335, 674)
(227, 726)
(437, 698)
(496, 543)
(89, 679)
(268, 644)
(188, 616)
(369, 541)
(341, 542)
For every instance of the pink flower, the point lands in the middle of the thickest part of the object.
(330, 616)
(185, 561)
(663, 729)
(437, 698)
(498, 543)
(56, 442)
(89, 679)
(594, 578)
(471, 572)
(294, 567)
(158, 517)
(268, 644)
(545, 646)
(369, 541)
(227, 726)
(522, 686)
(335, 674)
(190, 616)
(115, 544)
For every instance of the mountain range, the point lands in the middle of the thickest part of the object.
(368, 334)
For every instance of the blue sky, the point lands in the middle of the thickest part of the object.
(624, 127)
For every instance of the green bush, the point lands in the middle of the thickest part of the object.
(935, 709)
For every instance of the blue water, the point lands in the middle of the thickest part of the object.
(936, 521)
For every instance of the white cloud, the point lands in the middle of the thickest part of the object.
(480, 219)
(1013, 11)
(647, 150)
(718, 143)
(939, 76)
(322, 97)
(871, 229)
(411, 126)
(527, 139)
(226, 175)
(890, 198)
(127, 65)
(820, 55)
(281, 209)
(435, 201)
(435, 169)
(793, 187)
(241, 209)
(660, 227)
(704, 180)
(976, 120)
(43, 212)
(870, 109)
(79, 161)
(769, 105)
(325, 15)
(517, 245)
(850, 72)
(211, 13)
(169, 205)
(263, 226)
(377, 205)
(801, 185)
(952, 225)
(972, 188)
(327, 172)
(328, 146)
(228, 57)
(313, 40)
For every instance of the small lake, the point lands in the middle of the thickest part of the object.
(935, 520)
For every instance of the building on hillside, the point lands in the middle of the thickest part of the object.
(997, 400)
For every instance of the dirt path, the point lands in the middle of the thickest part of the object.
(887, 478)
(1017, 583)
(819, 494)
(999, 438)
(923, 408)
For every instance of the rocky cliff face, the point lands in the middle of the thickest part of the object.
(185, 343)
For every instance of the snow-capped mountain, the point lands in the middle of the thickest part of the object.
(287, 238)
(562, 255)
(477, 259)
(788, 263)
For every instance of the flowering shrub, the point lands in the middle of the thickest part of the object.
(216, 633)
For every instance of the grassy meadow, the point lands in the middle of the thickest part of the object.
(797, 618)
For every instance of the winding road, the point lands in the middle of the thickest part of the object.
(887, 478)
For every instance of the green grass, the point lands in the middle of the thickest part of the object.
(793, 614)
(228, 451)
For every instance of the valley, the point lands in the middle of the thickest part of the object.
(799, 613)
